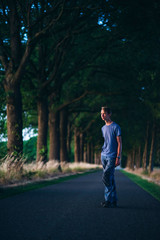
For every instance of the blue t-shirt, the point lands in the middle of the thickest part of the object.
(110, 134)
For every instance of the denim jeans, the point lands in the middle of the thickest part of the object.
(108, 179)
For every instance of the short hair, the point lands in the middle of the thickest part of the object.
(107, 109)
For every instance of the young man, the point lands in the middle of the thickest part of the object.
(110, 156)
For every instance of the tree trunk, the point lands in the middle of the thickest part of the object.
(63, 135)
(76, 145)
(54, 147)
(133, 159)
(81, 147)
(92, 153)
(42, 130)
(144, 159)
(12, 85)
(129, 161)
(97, 157)
(138, 158)
(14, 118)
(88, 152)
(69, 135)
(42, 106)
(85, 153)
(152, 150)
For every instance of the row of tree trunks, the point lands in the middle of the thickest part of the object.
(58, 123)
(83, 151)
(60, 137)
(134, 157)
(14, 60)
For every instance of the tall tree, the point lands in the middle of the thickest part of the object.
(16, 47)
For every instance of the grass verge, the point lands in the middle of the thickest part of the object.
(149, 187)
(11, 191)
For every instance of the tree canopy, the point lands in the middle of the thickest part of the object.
(66, 59)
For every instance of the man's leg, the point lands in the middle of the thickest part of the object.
(114, 193)
(107, 178)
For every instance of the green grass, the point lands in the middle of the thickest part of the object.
(149, 187)
(11, 191)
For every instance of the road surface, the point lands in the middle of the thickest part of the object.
(71, 211)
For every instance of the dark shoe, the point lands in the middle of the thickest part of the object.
(106, 204)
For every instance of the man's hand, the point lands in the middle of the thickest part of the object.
(117, 163)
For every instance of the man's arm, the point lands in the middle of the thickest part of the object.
(119, 151)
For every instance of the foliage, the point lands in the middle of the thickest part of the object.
(3, 149)
(29, 149)
(85, 55)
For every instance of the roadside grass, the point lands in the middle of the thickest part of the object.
(149, 187)
(14, 170)
(6, 192)
(17, 176)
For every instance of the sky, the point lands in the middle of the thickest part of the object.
(27, 134)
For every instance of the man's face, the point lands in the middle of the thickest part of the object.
(105, 116)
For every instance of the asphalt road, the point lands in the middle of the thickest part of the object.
(71, 211)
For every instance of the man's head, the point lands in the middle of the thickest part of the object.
(106, 113)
